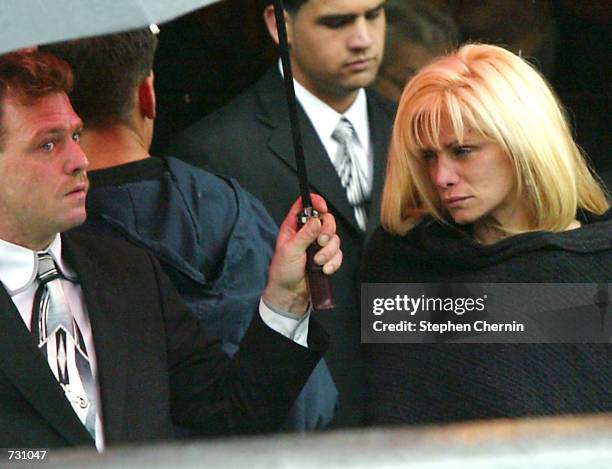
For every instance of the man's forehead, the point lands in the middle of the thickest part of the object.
(48, 112)
(57, 100)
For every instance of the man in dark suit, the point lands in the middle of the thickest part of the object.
(165, 205)
(95, 344)
(336, 48)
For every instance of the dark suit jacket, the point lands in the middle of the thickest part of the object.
(250, 139)
(155, 364)
(606, 177)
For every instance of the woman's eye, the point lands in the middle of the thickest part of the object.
(428, 155)
(462, 150)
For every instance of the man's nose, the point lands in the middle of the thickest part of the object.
(361, 35)
(444, 173)
(76, 161)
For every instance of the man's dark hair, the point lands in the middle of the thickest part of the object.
(107, 71)
(420, 22)
(292, 6)
(30, 75)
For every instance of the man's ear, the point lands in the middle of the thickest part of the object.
(146, 97)
(270, 19)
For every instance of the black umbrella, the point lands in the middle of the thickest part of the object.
(320, 285)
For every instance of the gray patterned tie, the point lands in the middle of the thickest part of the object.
(346, 166)
(61, 342)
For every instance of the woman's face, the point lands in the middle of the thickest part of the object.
(475, 179)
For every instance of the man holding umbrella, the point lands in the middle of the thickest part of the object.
(335, 47)
(166, 206)
(95, 344)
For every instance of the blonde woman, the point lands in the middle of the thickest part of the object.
(485, 184)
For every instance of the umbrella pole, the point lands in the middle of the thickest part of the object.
(319, 284)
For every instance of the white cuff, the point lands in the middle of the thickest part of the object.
(293, 326)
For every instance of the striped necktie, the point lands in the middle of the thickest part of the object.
(347, 168)
(61, 342)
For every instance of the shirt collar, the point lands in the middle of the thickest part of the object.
(18, 265)
(357, 115)
(324, 118)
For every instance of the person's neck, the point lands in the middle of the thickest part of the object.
(340, 104)
(113, 146)
(28, 239)
(488, 234)
(339, 101)
(490, 229)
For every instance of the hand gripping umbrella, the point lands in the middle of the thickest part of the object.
(320, 285)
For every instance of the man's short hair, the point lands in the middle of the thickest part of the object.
(292, 6)
(107, 71)
(30, 75)
(421, 22)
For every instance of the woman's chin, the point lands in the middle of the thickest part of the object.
(462, 218)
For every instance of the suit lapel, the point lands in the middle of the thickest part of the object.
(109, 335)
(322, 176)
(27, 369)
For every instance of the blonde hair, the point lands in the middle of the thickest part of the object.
(495, 93)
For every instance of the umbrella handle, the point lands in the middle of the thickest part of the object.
(319, 284)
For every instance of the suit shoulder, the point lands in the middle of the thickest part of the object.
(385, 105)
(97, 244)
(240, 111)
(228, 117)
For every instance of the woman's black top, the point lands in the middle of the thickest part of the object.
(442, 382)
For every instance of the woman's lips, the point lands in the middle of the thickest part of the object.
(455, 201)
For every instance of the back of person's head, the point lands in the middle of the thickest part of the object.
(293, 6)
(417, 32)
(30, 75)
(490, 91)
(107, 70)
(422, 23)
(528, 28)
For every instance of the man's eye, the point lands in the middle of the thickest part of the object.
(336, 23)
(372, 15)
(76, 136)
(48, 146)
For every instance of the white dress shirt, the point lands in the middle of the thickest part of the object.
(18, 269)
(324, 120)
